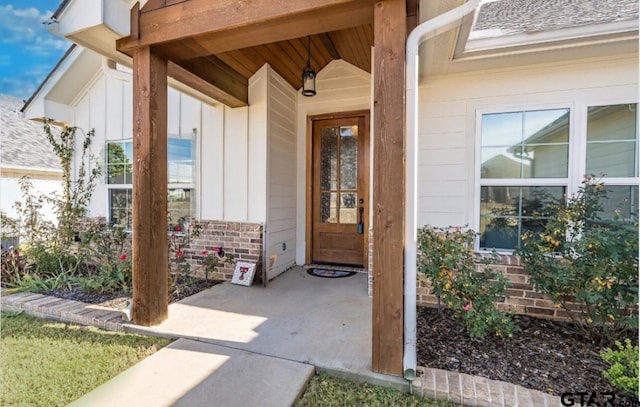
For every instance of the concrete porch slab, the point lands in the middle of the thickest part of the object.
(321, 321)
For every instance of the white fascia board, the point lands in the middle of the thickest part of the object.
(80, 15)
(58, 112)
(40, 107)
(496, 40)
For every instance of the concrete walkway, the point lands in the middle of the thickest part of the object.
(256, 346)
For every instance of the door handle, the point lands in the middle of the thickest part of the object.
(360, 222)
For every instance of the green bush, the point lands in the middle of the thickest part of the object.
(623, 373)
(587, 266)
(446, 257)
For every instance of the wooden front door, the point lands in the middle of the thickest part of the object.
(340, 189)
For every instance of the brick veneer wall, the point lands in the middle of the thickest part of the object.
(523, 299)
(243, 240)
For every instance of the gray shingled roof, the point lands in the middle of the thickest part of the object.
(522, 16)
(23, 142)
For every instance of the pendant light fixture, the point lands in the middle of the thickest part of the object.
(308, 74)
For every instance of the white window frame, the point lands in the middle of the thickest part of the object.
(578, 115)
(190, 186)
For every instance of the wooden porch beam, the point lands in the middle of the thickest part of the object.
(212, 78)
(150, 255)
(388, 186)
(245, 24)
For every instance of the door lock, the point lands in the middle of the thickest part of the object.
(361, 223)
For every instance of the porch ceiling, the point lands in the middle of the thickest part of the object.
(287, 57)
(218, 45)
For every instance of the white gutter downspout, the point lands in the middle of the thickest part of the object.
(421, 33)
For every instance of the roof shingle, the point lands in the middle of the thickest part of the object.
(23, 142)
(522, 16)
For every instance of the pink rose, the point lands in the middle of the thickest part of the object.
(123, 257)
(467, 307)
(179, 253)
(205, 252)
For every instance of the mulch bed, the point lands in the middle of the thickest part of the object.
(545, 355)
(184, 288)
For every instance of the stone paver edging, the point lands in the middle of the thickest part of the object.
(433, 383)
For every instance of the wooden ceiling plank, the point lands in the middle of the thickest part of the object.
(244, 69)
(342, 43)
(319, 49)
(364, 49)
(282, 64)
(328, 45)
(225, 25)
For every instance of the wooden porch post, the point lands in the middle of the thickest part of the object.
(388, 185)
(150, 254)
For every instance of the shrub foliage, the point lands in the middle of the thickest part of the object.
(587, 266)
(623, 373)
(446, 257)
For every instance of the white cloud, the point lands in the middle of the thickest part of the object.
(20, 87)
(24, 26)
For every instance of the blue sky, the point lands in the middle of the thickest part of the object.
(28, 51)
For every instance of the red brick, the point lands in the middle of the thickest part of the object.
(539, 311)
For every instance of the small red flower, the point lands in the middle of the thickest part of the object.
(179, 253)
(178, 228)
(123, 257)
(216, 249)
(205, 252)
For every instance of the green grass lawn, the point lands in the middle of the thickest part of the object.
(46, 363)
(327, 391)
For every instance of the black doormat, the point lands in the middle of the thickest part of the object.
(318, 272)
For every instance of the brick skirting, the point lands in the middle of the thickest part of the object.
(242, 240)
(523, 299)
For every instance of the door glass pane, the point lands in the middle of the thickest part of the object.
(348, 207)
(349, 157)
(329, 158)
(329, 207)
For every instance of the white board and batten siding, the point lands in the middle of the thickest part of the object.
(281, 183)
(228, 165)
(450, 107)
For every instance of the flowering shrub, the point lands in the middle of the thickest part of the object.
(211, 260)
(446, 257)
(587, 266)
